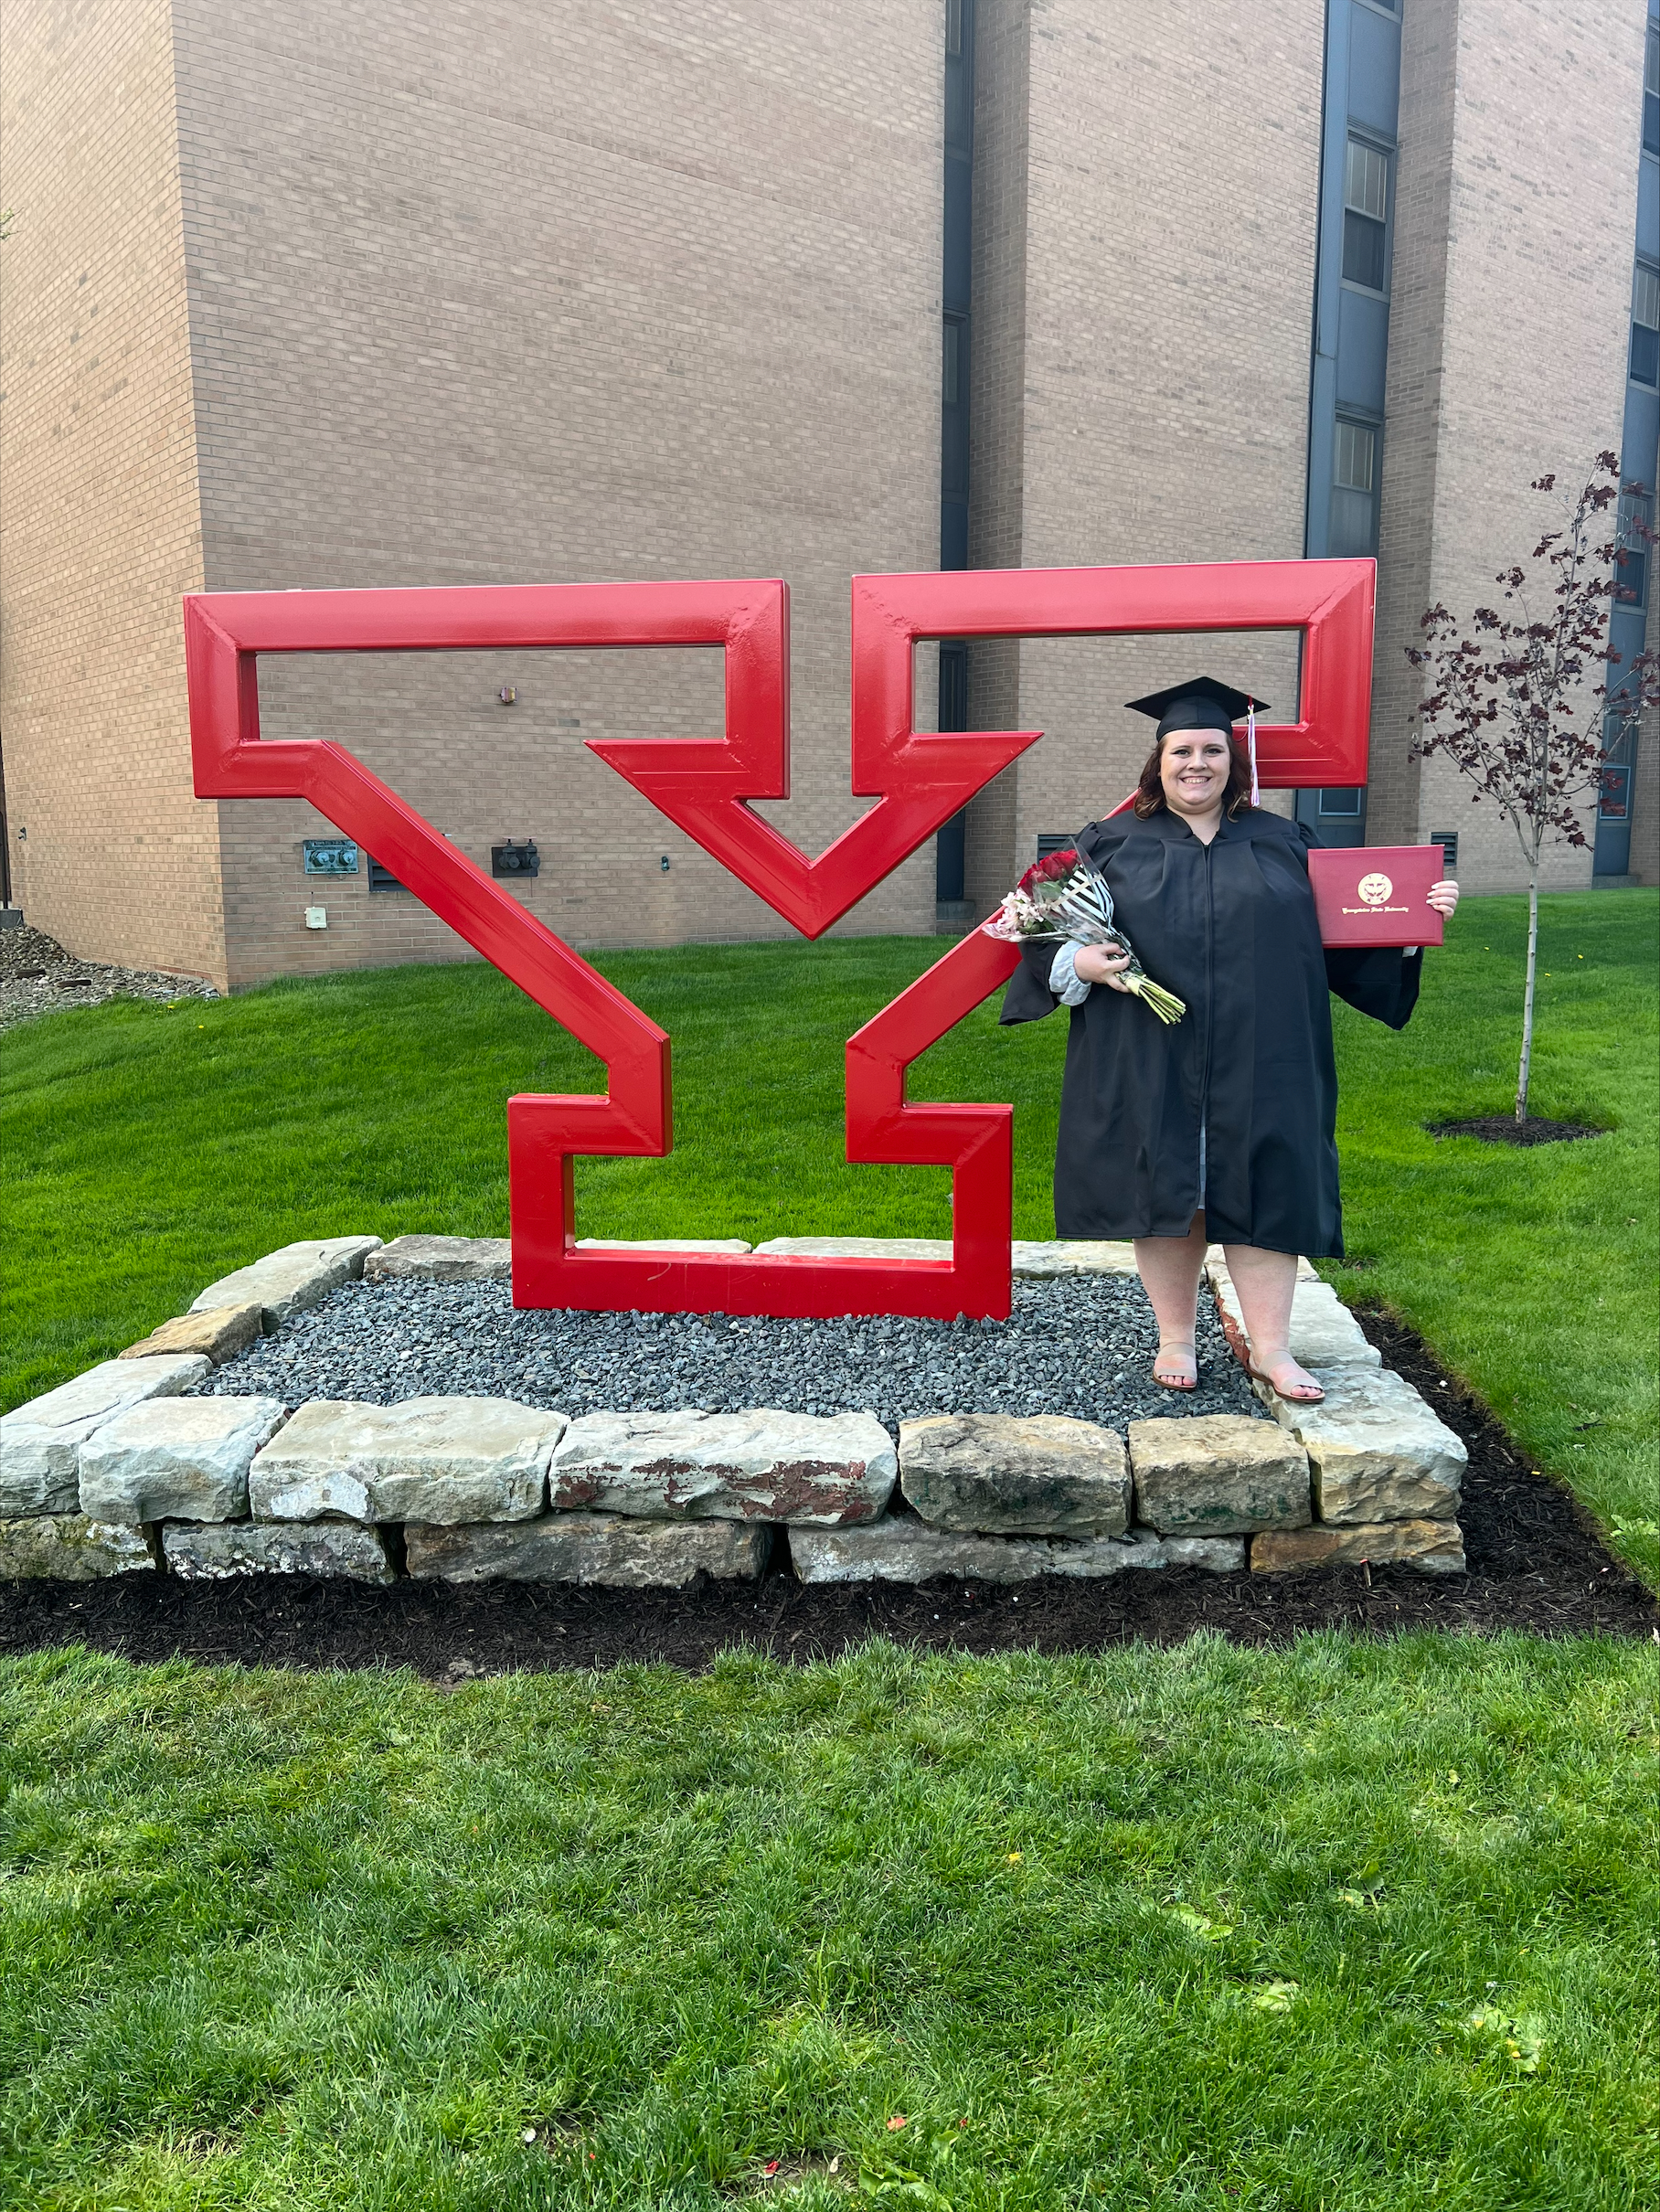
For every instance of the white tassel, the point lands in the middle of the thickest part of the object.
(1250, 739)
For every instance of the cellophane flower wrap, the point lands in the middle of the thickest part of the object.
(1063, 898)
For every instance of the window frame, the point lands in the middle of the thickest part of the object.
(1352, 420)
(1384, 223)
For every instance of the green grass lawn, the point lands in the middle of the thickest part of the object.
(147, 1150)
(1346, 1927)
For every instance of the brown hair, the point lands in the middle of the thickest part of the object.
(1150, 792)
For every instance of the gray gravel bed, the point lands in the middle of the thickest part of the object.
(38, 976)
(1082, 1346)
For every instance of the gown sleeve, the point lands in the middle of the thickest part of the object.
(1378, 980)
(1028, 997)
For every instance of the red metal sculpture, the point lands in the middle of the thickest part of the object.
(918, 780)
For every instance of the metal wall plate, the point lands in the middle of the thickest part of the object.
(330, 857)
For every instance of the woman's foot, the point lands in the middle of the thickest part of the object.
(1177, 1368)
(1286, 1379)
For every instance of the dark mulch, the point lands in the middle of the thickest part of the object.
(1533, 1563)
(1505, 1128)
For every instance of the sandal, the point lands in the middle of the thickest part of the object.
(1306, 1392)
(1184, 1358)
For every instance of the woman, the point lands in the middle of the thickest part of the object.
(1221, 1128)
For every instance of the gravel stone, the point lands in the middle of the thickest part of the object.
(1081, 1347)
(38, 976)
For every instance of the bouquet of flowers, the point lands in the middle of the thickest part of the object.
(1063, 898)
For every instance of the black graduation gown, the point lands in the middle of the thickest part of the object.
(1230, 928)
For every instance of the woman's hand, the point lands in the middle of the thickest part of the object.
(1101, 964)
(1442, 897)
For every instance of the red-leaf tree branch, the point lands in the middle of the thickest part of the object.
(1526, 698)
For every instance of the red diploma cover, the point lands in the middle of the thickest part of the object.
(1377, 894)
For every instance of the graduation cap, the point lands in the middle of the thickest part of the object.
(1201, 703)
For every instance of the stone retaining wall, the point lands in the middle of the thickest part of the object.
(118, 1472)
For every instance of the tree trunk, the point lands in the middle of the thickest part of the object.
(1533, 961)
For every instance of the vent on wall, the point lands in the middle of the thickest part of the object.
(1448, 841)
(1052, 841)
(382, 879)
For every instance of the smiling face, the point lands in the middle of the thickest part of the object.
(1193, 768)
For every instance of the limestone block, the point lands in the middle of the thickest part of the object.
(1040, 1259)
(1377, 1450)
(290, 1281)
(903, 1551)
(206, 1551)
(428, 1459)
(997, 1473)
(1323, 1333)
(1216, 1555)
(221, 1331)
(758, 1465)
(857, 1248)
(175, 1459)
(441, 1259)
(661, 1244)
(1219, 1474)
(1433, 1547)
(594, 1548)
(67, 1547)
(1072, 1256)
(40, 1441)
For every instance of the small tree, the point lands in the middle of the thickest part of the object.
(1511, 704)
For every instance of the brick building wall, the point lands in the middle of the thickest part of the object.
(1155, 318)
(1508, 335)
(99, 522)
(584, 293)
(421, 295)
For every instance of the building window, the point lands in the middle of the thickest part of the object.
(1343, 801)
(950, 374)
(1651, 93)
(1354, 529)
(1366, 209)
(1632, 550)
(1645, 323)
